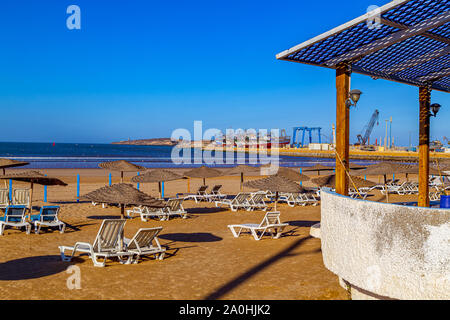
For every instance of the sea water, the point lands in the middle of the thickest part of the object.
(88, 155)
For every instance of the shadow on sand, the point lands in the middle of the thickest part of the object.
(191, 237)
(205, 210)
(33, 267)
(231, 285)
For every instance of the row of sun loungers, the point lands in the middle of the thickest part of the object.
(203, 195)
(110, 243)
(20, 197)
(173, 207)
(245, 200)
(15, 216)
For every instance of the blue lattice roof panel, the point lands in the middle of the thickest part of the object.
(410, 44)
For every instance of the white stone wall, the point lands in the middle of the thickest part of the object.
(387, 250)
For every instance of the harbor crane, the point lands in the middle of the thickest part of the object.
(369, 127)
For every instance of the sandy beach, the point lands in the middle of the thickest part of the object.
(203, 260)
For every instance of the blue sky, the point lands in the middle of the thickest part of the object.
(139, 69)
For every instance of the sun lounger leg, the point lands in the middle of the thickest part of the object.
(255, 234)
(96, 262)
(233, 231)
(37, 227)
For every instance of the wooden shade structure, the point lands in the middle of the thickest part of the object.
(275, 183)
(157, 175)
(409, 44)
(330, 182)
(10, 163)
(122, 194)
(292, 175)
(243, 169)
(318, 167)
(203, 172)
(34, 177)
(121, 166)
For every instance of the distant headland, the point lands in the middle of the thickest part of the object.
(149, 142)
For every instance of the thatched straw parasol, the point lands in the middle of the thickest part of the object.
(203, 172)
(330, 182)
(318, 168)
(292, 175)
(385, 168)
(34, 177)
(356, 166)
(123, 194)
(10, 163)
(241, 169)
(275, 183)
(122, 166)
(157, 175)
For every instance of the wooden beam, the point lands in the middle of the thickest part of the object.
(343, 74)
(403, 27)
(417, 60)
(390, 40)
(424, 140)
(435, 75)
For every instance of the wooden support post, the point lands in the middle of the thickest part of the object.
(424, 140)
(343, 73)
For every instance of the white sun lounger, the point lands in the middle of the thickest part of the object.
(107, 244)
(270, 223)
(4, 198)
(201, 195)
(14, 217)
(47, 217)
(145, 242)
(174, 207)
(256, 202)
(215, 194)
(147, 213)
(239, 202)
(21, 197)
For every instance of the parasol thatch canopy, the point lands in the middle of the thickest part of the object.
(34, 177)
(243, 168)
(157, 175)
(291, 174)
(330, 182)
(121, 165)
(123, 194)
(356, 166)
(275, 183)
(317, 167)
(203, 172)
(388, 168)
(10, 163)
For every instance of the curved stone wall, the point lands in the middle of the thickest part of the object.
(385, 250)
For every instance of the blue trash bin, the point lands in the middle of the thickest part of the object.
(445, 201)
